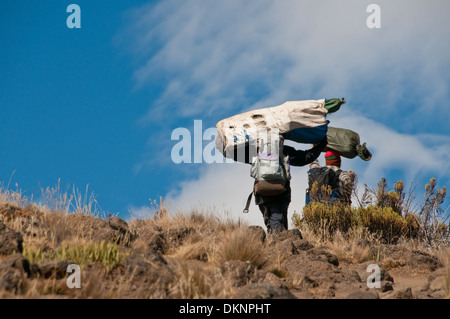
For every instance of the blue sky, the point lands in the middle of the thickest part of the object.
(96, 106)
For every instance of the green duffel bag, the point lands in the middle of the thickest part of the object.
(333, 105)
(347, 143)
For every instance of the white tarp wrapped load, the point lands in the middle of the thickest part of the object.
(299, 121)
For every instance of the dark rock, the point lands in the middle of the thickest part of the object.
(292, 234)
(140, 270)
(154, 257)
(149, 239)
(287, 244)
(315, 267)
(414, 258)
(10, 280)
(384, 274)
(362, 295)
(362, 242)
(295, 233)
(157, 243)
(286, 247)
(420, 259)
(134, 262)
(147, 269)
(354, 274)
(272, 279)
(177, 235)
(321, 254)
(35, 272)
(263, 291)
(386, 286)
(238, 272)
(10, 241)
(119, 231)
(16, 261)
(404, 294)
(307, 282)
(117, 223)
(259, 232)
(302, 244)
(54, 269)
(13, 270)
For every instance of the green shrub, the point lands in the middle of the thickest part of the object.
(106, 254)
(326, 218)
(384, 222)
(412, 226)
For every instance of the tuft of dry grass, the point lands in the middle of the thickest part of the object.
(199, 250)
(240, 244)
(349, 249)
(190, 283)
(13, 197)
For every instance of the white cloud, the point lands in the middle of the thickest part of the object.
(141, 212)
(220, 56)
(220, 188)
(224, 188)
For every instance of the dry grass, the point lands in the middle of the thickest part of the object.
(190, 283)
(447, 282)
(240, 244)
(444, 256)
(351, 250)
(62, 235)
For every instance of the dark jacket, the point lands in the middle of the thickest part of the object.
(296, 158)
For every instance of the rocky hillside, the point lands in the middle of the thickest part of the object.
(198, 256)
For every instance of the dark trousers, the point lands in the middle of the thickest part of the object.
(275, 215)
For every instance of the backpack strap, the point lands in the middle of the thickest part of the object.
(283, 167)
(247, 205)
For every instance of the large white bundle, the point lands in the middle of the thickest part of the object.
(300, 121)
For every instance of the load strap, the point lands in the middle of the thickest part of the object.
(247, 205)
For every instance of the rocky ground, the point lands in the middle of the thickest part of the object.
(188, 258)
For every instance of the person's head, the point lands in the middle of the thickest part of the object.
(332, 158)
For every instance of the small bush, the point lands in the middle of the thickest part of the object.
(327, 218)
(384, 222)
(426, 222)
(412, 226)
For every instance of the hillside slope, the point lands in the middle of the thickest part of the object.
(198, 256)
